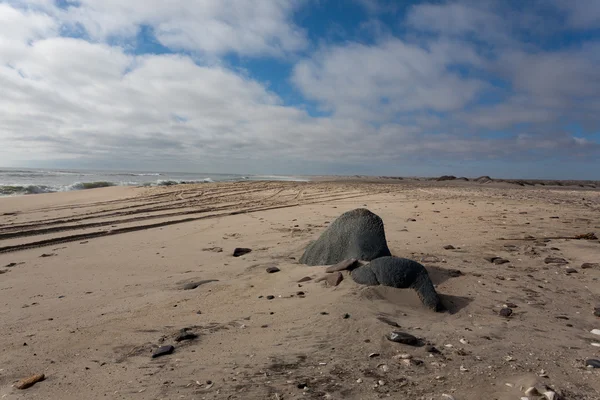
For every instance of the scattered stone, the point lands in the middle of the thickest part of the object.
(555, 260)
(194, 285)
(355, 234)
(500, 261)
(10, 265)
(346, 316)
(272, 270)
(373, 355)
(597, 311)
(47, 255)
(3, 271)
(430, 259)
(550, 395)
(533, 392)
(301, 294)
(510, 305)
(305, 279)
(584, 265)
(411, 220)
(449, 247)
(402, 337)
(185, 334)
(587, 236)
(595, 331)
(30, 381)
(431, 349)
(454, 273)
(348, 264)
(592, 363)
(400, 273)
(388, 321)
(506, 312)
(214, 249)
(447, 396)
(491, 259)
(570, 270)
(240, 251)
(163, 351)
(335, 279)
(270, 297)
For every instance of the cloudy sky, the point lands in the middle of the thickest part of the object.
(467, 87)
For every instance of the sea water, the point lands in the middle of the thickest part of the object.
(20, 181)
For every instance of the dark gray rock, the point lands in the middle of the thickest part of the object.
(583, 266)
(272, 270)
(240, 251)
(555, 260)
(400, 273)
(185, 334)
(355, 234)
(506, 312)
(305, 279)
(449, 247)
(403, 337)
(163, 351)
(592, 363)
(194, 285)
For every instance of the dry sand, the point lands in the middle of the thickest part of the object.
(108, 292)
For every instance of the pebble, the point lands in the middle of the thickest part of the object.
(272, 270)
(590, 265)
(346, 316)
(335, 279)
(464, 341)
(163, 351)
(449, 247)
(240, 251)
(373, 355)
(403, 356)
(597, 311)
(194, 285)
(30, 381)
(550, 395)
(270, 297)
(570, 270)
(555, 260)
(447, 396)
(592, 363)
(185, 334)
(463, 369)
(402, 337)
(388, 321)
(595, 331)
(431, 349)
(305, 279)
(533, 392)
(506, 312)
(510, 305)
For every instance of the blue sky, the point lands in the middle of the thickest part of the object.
(465, 87)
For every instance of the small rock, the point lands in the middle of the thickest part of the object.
(592, 363)
(447, 396)
(491, 259)
(185, 334)
(555, 260)
(301, 294)
(463, 369)
(506, 312)
(270, 297)
(449, 247)
(305, 279)
(570, 270)
(550, 395)
(335, 279)
(346, 316)
(500, 261)
(302, 385)
(411, 220)
(373, 355)
(510, 305)
(597, 311)
(432, 349)
(388, 321)
(272, 270)
(590, 265)
(214, 249)
(533, 392)
(343, 265)
(240, 251)
(30, 381)
(404, 356)
(163, 351)
(595, 331)
(194, 285)
(402, 337)
(47, 255)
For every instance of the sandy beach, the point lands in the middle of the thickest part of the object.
(93, 282)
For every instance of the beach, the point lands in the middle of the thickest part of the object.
(93, 282)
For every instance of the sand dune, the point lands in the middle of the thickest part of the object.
(92, 285)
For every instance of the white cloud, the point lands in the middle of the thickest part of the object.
(376, 82)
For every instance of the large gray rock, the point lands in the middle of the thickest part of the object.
(355, 234)
(400, 273)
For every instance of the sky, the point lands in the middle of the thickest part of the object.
(504, 88)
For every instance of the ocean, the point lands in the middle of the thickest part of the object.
(22, 181)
